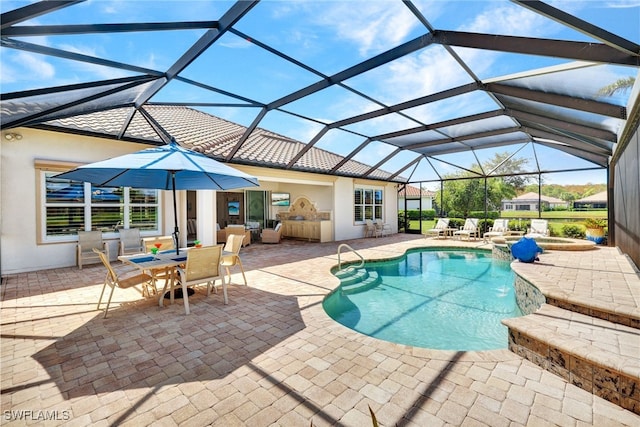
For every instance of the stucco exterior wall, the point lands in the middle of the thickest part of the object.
(19, 248)
(19, 204)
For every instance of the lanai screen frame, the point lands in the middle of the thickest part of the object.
(527, 105)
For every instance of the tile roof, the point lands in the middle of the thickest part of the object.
(534, 196)
(598, 197)
(413, 191)
(213, 136)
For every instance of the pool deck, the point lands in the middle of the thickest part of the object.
(273, 357)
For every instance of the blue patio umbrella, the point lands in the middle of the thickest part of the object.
(168, 167)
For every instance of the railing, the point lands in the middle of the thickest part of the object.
(352, 250)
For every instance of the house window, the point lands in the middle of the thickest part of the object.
(70, 206)
(368, 203)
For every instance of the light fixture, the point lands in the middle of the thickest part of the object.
(10, 136)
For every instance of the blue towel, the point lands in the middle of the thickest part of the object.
(182, 258)
(167, 251)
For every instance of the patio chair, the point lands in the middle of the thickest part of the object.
(164, 243)
(231, 257)
(202, 265)
(130, 241)
(274, 235)
(440, 228)
(499, 228)
(239, 230)
(369, 228)
(221, 234)
(539, 228)
(123, 281)
(469, 229)
(87, 242)
(382, 229)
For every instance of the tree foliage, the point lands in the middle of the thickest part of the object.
(620, 85)
(464, 193)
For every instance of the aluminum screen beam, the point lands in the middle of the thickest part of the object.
(584, 27)
(233, 15)
(581, 104)
(25, 13)
(580, 51)
(564, 125)
(464, 138)
(49, 30)
(50, 51)
(385, 57)
(435, 126)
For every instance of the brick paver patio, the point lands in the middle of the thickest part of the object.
(270, 357)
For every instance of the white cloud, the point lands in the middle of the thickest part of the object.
(508, 19)
(34, 66)
(101, 72)
(372, 25)
(623, 3)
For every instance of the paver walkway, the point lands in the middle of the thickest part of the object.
(270, 357)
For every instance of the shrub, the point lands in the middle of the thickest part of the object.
(429, 214)
(484, 226)
(480, 214)
(524, 225)
(595, 223)
(573, 231)
(456, 222)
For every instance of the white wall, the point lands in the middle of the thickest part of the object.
(19, 248)
(345, 228)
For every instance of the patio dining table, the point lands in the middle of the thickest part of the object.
(161, 260)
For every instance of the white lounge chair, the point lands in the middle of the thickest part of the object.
(440, 228)
(469, 229)
(499, 228)
(539, 228)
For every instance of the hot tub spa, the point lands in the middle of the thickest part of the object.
(550, 243)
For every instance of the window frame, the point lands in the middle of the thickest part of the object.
(375, 202)
(44, 169)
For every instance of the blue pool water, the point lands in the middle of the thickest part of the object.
(439, 299)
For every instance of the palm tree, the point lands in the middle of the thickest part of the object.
(620, 85)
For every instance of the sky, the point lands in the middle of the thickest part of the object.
(332, 36)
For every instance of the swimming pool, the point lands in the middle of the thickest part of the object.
(447, 299)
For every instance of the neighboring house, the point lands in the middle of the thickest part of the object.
(415, 198)
(529, 202)
(39, 227)
(595, 201)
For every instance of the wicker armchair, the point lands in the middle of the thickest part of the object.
(272, 235)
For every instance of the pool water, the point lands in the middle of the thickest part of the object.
(439, 299)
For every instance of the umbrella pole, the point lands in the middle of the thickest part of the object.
(176, 232)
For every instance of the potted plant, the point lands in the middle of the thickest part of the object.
(197, 243)
(595, 229)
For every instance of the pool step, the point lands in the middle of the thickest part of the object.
(351, 275)
(596, 355)
(357, 280)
